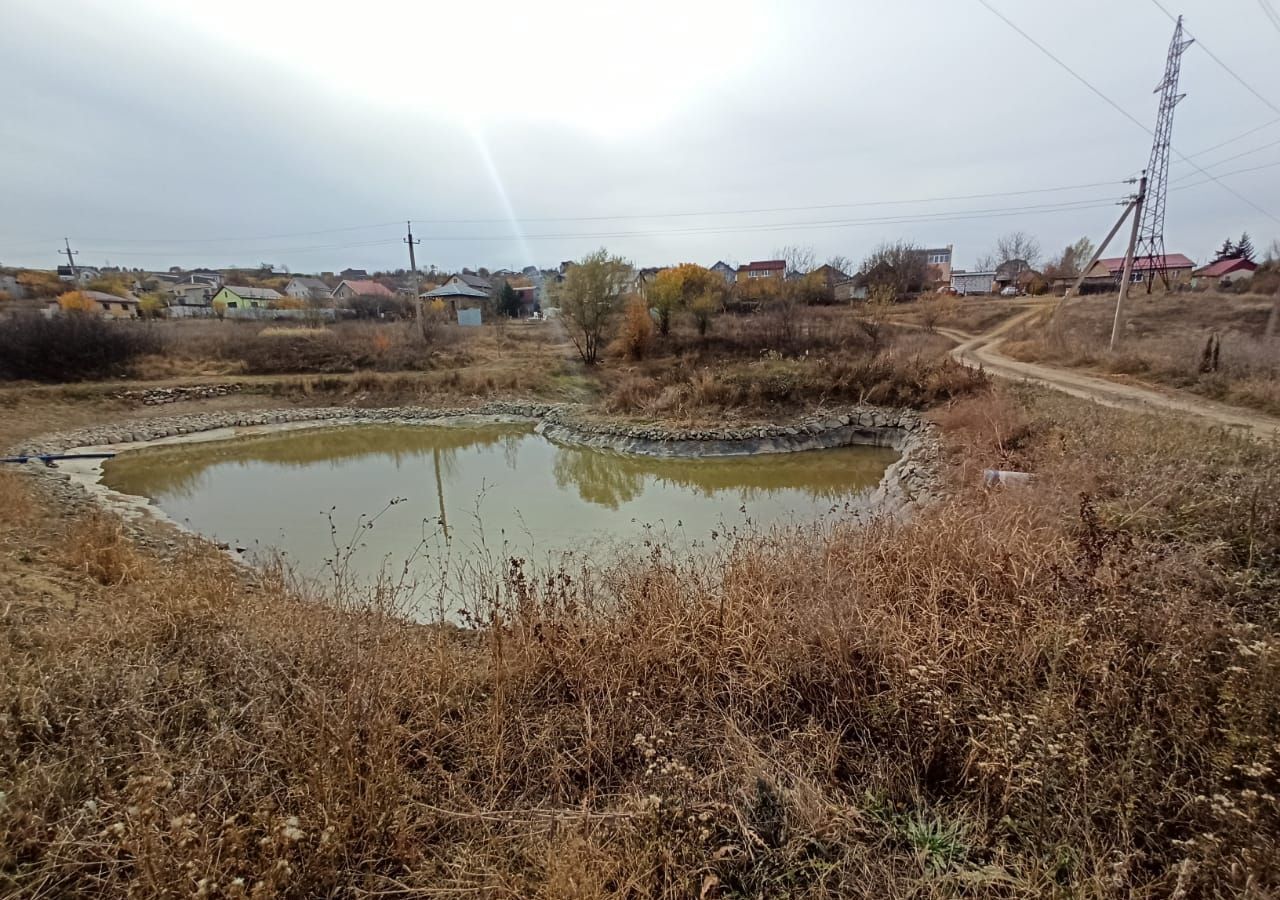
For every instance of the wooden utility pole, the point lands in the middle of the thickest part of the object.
(1118, 323)
(413, 267)
(71, 261)
(1097, 255)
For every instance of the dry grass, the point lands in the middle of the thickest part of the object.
(1165, 343)
(901, 367)
(1066, 690)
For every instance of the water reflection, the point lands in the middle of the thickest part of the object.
(470, 490)
(613, 479)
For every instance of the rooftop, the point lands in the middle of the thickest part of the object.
(252, 293)
(764, 265)
(1227, 266)
(1146, 263)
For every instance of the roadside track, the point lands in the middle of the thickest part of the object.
(983, 351)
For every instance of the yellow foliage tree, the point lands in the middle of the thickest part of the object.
(40, 284)
(77, 301)
(703, 307)
(151, 306)
(637, 329)
(288, 303)
(220, 308)
(679, 287)
(109, 284)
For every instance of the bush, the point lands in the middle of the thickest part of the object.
(70, 347)
(636, 334)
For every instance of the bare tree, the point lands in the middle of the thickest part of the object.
(841, 263)
(589, 297)
(1016, 245)
(798, 259)
(899, 267)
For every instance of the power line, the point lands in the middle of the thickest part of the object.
(921, 218)
(774, 209)
(1070, 71)
(618, 217)
(1124, 112)
(1269, 11)
(1213, 56)
(1239, 137)
(1270, 165)
(1227, 159)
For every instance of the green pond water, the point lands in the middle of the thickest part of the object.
(472, 492)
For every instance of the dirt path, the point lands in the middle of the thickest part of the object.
(983, 350)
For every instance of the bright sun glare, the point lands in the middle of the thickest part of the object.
(601, 67)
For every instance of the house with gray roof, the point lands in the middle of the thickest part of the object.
(302, 287)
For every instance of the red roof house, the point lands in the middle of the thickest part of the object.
(765, 268)
(361, 288)
(1178, 266)
(1228, 270)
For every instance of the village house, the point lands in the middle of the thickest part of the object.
(301, 287)
(472, 280)
(830, 275)
(725, 271)
(1179, 268)
(456, 295)
(938, 261)
(1226, 272)
(349, 288)
(766, 268)
(243, 297)
(965, 283)
(353, 275)
(79, 273)
(190, 294)
(109, 305)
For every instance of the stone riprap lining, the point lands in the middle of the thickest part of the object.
(912, 480)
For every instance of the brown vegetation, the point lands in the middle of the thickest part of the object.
(69, 347)
(1070, 689)
(762, 365)
(1212, 344)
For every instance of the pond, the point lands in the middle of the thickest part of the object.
(370, 498)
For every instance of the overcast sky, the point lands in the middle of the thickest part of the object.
(165, 132)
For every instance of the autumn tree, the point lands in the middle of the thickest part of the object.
(1072, 261)
(637, 329)
(665, 296)
(703, 308)
(151, 305)
(589, 297)
(109, 284)
(40, 284)
(678, 287)
(77, 301)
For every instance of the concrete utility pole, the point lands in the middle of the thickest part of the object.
(1118, 323)
(413, 267)
(71, 255)
(1097, 254)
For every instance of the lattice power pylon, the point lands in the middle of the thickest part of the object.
(1149, 253)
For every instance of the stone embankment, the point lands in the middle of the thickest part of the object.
(161, 396)
(913, 480)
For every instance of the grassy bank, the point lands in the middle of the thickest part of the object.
(1071, 689)
(1167, 341)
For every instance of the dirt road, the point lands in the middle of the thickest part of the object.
(983, 350)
